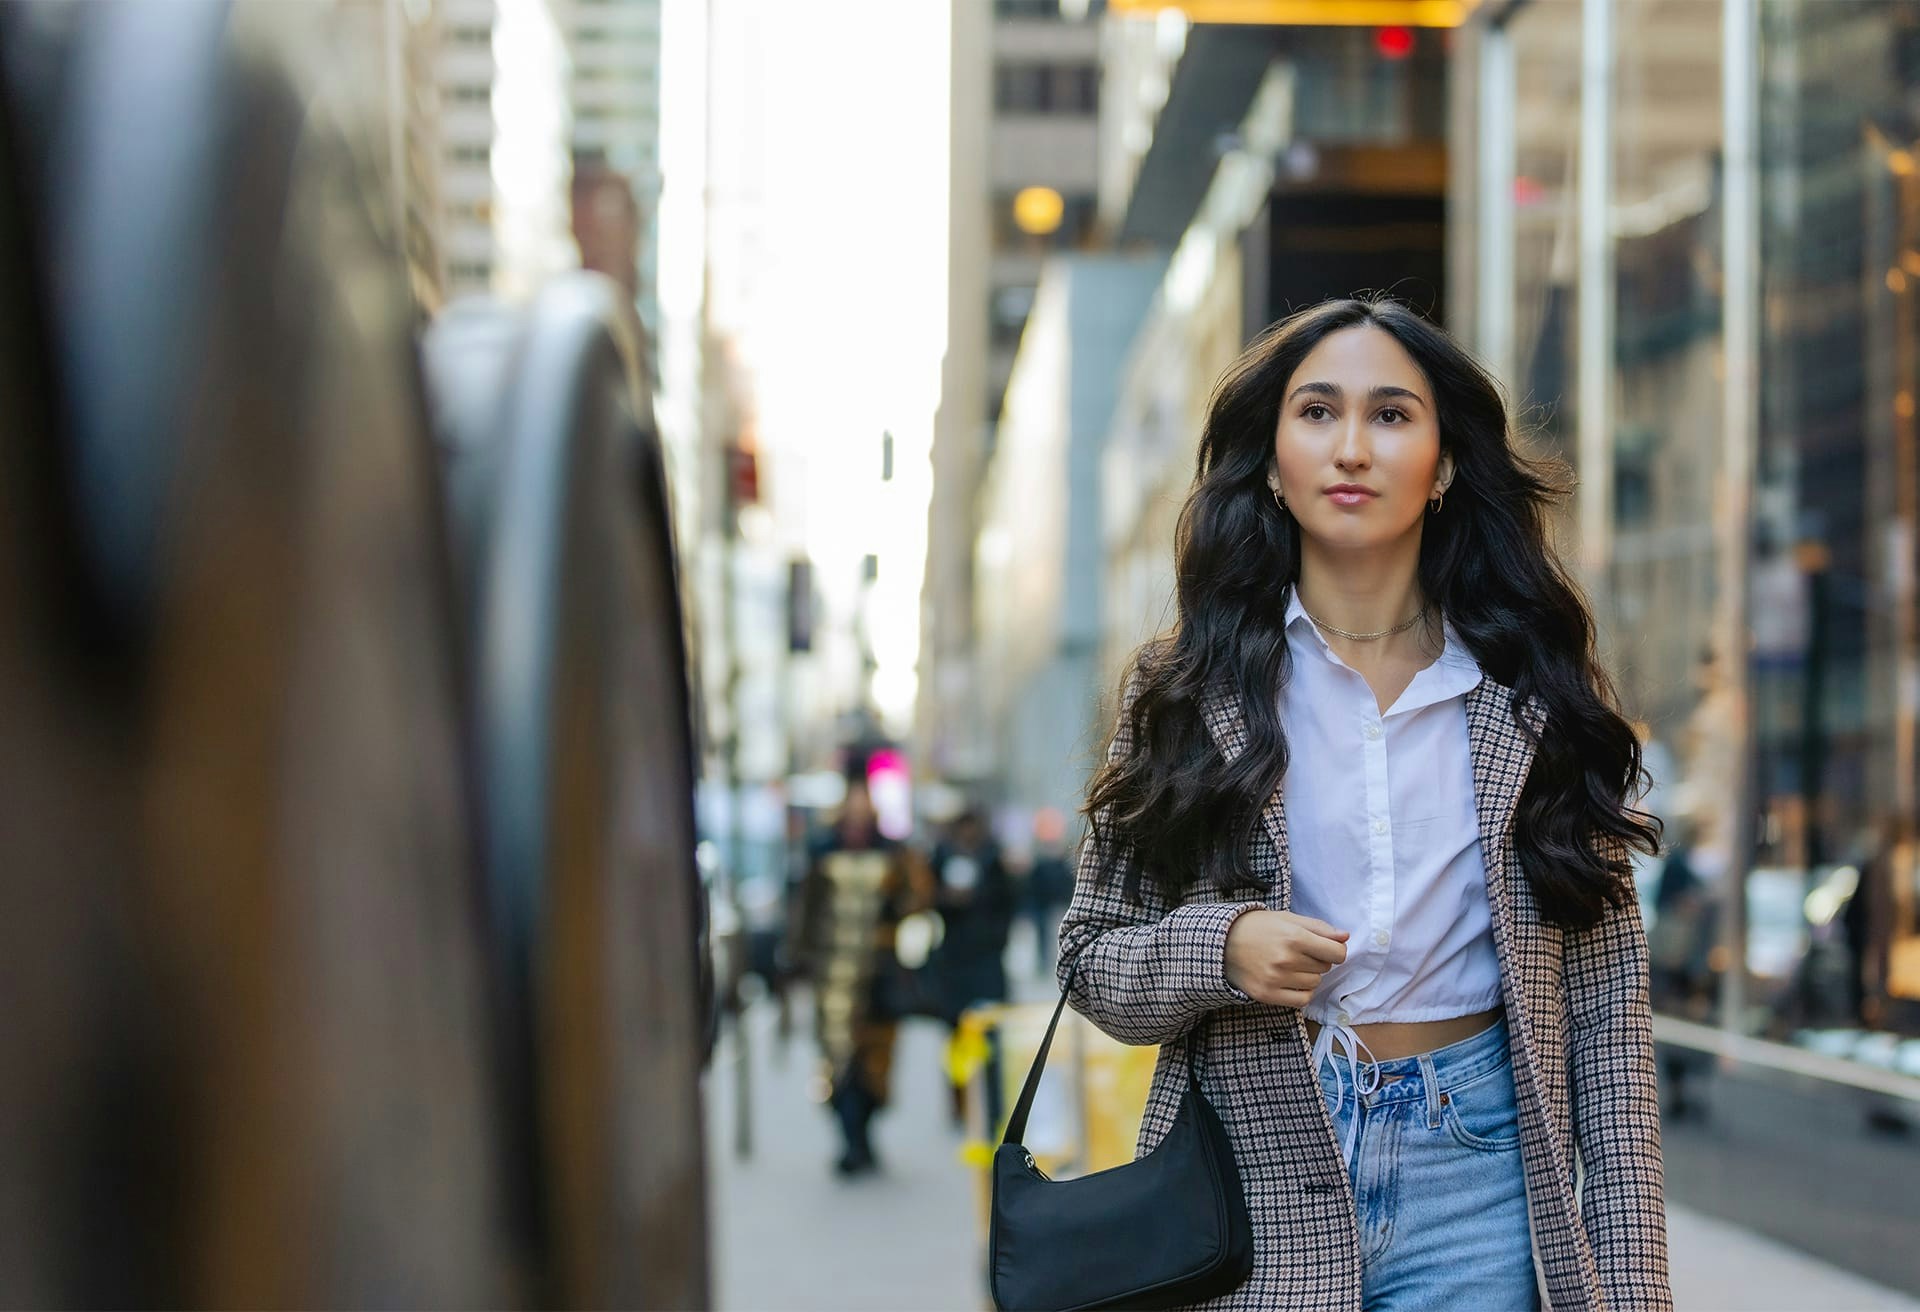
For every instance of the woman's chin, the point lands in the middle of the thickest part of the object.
(1347, 532)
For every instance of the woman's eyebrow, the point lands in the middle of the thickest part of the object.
(1376, 394)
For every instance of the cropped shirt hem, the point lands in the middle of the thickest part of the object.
(1324, 1014)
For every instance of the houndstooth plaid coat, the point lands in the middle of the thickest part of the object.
(1577, 1010)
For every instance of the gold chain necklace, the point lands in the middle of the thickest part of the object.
(1367, 637)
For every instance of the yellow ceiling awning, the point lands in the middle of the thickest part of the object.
(1309, 13)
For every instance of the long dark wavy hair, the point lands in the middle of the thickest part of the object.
(1187, 815)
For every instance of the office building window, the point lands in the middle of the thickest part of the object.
(1046, 88)
(1043, 10)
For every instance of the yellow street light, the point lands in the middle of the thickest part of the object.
(1038, 211)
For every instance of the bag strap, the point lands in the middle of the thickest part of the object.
(1017, 1123)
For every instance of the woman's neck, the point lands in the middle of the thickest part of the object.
(1361, 604)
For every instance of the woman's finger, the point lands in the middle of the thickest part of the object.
(1324, 949)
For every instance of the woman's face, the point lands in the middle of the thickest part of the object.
(1357, 452)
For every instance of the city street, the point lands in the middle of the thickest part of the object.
(788, 1234)
(791, 1237)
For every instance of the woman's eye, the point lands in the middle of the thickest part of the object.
(1308, 413)
(1393, 410)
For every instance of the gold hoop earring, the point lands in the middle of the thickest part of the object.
(1279, 500)
(1433, 506)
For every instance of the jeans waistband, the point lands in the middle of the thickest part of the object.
(1453, 1065)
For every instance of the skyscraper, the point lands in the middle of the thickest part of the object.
(463, 70)
(614, 89)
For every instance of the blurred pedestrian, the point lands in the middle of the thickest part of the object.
(1049, 884)
(1363, 836)
(859, 885)
(974, 895)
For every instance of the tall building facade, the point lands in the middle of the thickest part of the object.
(464, 68)
(1023, 148)
(1041, 556)
(614, 89)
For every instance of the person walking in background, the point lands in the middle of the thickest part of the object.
(858, 886)
(1360, 849)
(1049, 884)
(974, 896)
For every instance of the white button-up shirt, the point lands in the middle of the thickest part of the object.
(1385, 838)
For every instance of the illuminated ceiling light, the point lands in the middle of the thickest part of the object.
(1901, 162)
(1038, 211)
(1394, 43)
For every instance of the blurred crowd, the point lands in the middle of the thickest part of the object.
(875, 930)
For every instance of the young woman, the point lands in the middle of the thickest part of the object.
(1361, 843)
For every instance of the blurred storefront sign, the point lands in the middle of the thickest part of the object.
(1309, 13)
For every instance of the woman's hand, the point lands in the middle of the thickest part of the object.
(1278, 958)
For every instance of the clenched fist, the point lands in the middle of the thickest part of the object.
(1278, 958)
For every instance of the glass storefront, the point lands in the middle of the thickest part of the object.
(1546, 139)
(1836, 680)
(1761, 507)
(1666, 535)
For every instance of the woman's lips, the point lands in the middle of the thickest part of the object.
(1342, 497)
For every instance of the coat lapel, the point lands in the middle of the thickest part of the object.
(1502, 757)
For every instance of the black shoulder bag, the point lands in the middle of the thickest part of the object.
(1164, 1230)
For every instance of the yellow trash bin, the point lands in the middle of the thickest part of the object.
(1086, 1115)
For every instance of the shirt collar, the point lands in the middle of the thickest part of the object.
(1455, 670)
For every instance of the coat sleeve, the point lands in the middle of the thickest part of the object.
(1141, 971)
(1616, 1106)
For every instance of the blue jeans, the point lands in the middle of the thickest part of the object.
(1439, 1195)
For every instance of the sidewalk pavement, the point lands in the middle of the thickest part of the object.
(791, 1237)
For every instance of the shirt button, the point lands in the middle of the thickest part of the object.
(1342, 1018)
(1373, 731)
(1379, 826)
(1381, 938)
